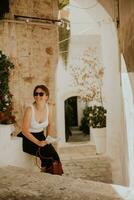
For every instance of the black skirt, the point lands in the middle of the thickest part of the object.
(46, 151)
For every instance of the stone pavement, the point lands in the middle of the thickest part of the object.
(17, 184)
(80, 161)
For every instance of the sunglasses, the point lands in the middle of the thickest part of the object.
(39, 93)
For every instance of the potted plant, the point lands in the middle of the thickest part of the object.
(97, 116)
(97, 123)
(6, 116)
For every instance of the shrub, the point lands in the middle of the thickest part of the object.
(6, 108)
(97, 117)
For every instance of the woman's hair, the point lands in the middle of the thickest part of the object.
(43, 87)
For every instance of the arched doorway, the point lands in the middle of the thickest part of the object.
(73, 109)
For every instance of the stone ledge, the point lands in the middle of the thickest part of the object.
(17, 184)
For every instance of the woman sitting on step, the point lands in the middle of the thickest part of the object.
(36, 127)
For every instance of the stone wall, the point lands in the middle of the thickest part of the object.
(109, 5)
(34, 8)
(32, 47)
(126, 26)
(127, 32)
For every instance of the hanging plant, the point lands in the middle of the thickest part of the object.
(63, 3)
(64, 35)
(6, 108)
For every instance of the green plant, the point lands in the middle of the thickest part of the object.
(97, 116)
(63, 3)
(85, 121)
(64, 38)
(6, 108)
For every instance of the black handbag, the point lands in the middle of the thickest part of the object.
(54, 168)
(20, 134)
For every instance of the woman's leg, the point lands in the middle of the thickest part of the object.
(50, 161)
(48, 154)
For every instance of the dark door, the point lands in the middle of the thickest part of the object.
(71, 118)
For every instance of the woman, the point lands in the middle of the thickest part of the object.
(36, 127)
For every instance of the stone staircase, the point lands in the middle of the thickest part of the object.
(77, 135)
(95, 168)
(80, 160)
(77, 150)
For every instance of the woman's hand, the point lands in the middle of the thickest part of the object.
(42, 143)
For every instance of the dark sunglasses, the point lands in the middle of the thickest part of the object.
(39, 93)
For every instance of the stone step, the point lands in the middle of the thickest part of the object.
(18, 183)
(80, 161)
(77, 132)
(74, 150)
(95, 168)
(78, 138)
(74, 128)
(77, 135)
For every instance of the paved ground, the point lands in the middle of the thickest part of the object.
(22, 184)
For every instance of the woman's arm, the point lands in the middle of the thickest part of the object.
(25, 128)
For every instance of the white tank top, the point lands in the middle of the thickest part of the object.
(36, 126)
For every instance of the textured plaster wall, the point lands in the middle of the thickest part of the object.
(34, 8)
(126, 27)
(33, 48)
(127, 32)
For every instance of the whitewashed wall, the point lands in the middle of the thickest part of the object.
(128, 151)
(95, 22)
(11, 150)
(65, 89)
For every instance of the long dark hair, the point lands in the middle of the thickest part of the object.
(43, 87)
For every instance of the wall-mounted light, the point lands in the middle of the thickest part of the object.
(68, 26)
(36, 19)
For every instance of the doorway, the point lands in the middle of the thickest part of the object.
(71, 115)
